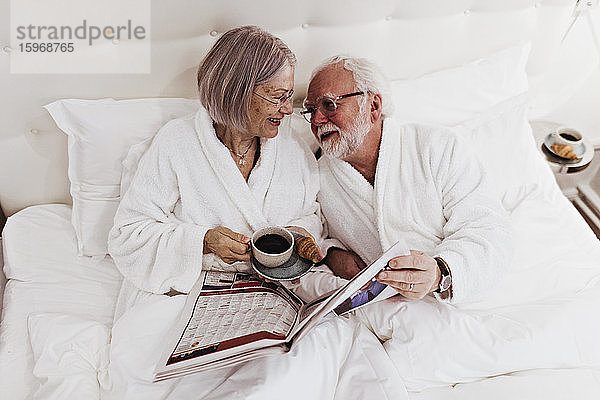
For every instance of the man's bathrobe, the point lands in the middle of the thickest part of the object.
(187, 183)
(429, 190)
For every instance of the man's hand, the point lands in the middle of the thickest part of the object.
(345, 264)
(226, 244)
(413, 276)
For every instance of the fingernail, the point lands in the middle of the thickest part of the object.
(393, 264)
(382, 275)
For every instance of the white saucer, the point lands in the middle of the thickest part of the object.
(579, 149)
(292, 269)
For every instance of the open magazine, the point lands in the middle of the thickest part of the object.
(232, 317)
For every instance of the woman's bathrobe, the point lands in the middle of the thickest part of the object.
(187, 183)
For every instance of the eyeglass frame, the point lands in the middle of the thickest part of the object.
(281, 101)
(327, 113)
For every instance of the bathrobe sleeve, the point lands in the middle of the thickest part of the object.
(309, 216)
(151, 247)
(478, 241)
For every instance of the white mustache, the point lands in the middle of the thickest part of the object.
(328, 127)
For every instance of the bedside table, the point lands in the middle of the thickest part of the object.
(580, 181)
(2, 277)
(540, 130)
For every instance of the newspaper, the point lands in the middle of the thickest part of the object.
(232, 317)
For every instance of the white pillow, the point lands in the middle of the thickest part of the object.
(100, 134)
(502, 139)
(486, 102)
(455, 95)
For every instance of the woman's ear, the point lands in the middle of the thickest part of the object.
(375, 110)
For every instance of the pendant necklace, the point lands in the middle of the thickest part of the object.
(241, 160)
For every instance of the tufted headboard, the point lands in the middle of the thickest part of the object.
(407, 37)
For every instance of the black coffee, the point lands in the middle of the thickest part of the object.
(272, 243)
(568, 136)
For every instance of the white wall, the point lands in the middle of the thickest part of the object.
(407, 37)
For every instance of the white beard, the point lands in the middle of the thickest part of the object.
(349, 140)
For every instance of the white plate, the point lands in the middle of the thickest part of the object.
(578, 149)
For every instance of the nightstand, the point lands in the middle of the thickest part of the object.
(2, 276)
(579, 181)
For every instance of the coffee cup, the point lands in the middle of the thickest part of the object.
(568, 136)
(272, 246)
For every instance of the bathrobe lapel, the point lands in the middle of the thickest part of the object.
(389, 159)
(262, 174)
(358, 194)
(246, 199)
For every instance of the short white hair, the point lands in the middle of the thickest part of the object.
(367, 76)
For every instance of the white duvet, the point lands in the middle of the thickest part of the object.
(536, 332)
(542, 315)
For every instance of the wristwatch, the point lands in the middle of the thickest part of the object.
(446, 276)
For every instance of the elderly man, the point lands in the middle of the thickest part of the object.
(382, 180)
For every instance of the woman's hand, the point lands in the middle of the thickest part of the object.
(414, 276)
(345, 264)
(226, 244)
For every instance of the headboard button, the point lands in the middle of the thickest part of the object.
(6, 49)
(304, 25)
(214, 33)
(467, 12)
(34, 131)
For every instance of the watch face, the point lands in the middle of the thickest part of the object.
(445, 283)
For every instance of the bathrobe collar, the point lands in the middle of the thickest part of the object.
(369, 200)
(247, 196)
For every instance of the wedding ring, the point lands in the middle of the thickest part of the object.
(410, 287)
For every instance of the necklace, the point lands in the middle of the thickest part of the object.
(241, 160)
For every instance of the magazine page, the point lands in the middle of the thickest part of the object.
(373, 292)
(228, 313)
(347, 291)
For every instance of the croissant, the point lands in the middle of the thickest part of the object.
(307, 248)
(564, 150)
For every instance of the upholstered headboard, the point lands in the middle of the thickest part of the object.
(407, 37)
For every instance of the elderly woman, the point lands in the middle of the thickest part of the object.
(208, 181)
(204, 185)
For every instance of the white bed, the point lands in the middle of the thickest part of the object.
(68, 302)
(533, 337)
(47, 276)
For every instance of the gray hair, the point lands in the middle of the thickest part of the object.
(242, 59)
(367, 76)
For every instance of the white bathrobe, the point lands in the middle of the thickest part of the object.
(187, 183)
(429, 190)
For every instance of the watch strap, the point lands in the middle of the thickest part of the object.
(445, 274)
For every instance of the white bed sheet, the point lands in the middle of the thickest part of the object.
(45, 275)
(56, 288)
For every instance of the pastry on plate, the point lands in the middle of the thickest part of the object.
(308, 248)
(564, 151)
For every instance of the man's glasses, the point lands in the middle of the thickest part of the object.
(327, 105)
(279, 101)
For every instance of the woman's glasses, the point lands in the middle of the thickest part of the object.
(327, 105)
(279, 101)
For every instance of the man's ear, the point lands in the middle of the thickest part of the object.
(375, 110)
